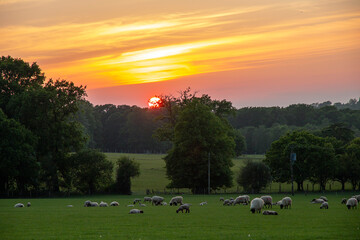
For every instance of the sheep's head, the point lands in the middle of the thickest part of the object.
(252, 210)
(348, 206)
(141, 211)
(281, 206)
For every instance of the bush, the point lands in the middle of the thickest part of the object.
(127, 168)
(254, 176)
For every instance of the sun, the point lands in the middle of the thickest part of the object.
(154, 102)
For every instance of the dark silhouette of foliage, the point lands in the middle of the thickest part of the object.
(254, 176)
(127, 169)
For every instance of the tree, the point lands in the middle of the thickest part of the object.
(352, 160)
(254, 176)
(339, 131)
(198, 135)
(240, 143)
(18, 165)
(127, 169)
(93, 172)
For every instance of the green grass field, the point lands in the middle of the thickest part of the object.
(153, 175)
(51, 219)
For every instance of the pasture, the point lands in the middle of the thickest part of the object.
(52, 219)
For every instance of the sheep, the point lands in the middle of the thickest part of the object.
(147, 199)
(203, 203)
(19, 205)
(87, 203)
(183, 207)
(142, 205)
(156, 200)
(352, 203)
(267, 201)
(227, 202)
(231, 198)
(69, 206)
(256, 205)
(357, 197)
(176, 200)
(267, 212)
(247, 198)
(241, 199)
(103, 204)
(114, 204)
(131, 205)
(343, 201)
(134, 211)
(221, 199)
(324, 205)
(28, 204)
(94, 204)
(318, 200)
(163, 203)
(323, 198)
(277, 203)
(286, 202)
(136, 200)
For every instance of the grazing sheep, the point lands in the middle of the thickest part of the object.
(323, 198)
(357, 197)
(324, 205)
(221, 199)
(203, 203)
(267, 201)
(114, 204)
(87, 203)
(318, 200)
(28, 204)
(343, 201)
(227, 202)
(286, 202)
(183, 207)
(268, 212)
(277, 203)
(142, 205)
(241, 199)
(156, 200)
(147, 199)
(247, 198)
(352, 203)
(103, 204)
(256, 205)
(136, 200)
(19, 205)
(163, 203)
(176, 200)
(134, 211)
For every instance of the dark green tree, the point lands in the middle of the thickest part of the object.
(93, 172)
(240, 143)
(127, 169)
(254, 176)
(199, 134)
(352, 160)
(338, 131)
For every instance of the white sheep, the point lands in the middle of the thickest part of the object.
(268, 212)
(136, 200)
(241, 199)
(221, 199)
(286, 202)
(94, 204)
(134, 211)
(28, 204)
(103, 204)
(317, 200)
(357, 197)
(89, 203)
(183, 207)
(142, 205)
(227, 202)
(323, 198)
(131, 205)
(352, 203)
(267, 201)
(114, 204)
(256, 205)
(176, 200)
(156, 200)
(163, 203)
(19, 205)
(324, 205)
(203, 203)
(147, 199)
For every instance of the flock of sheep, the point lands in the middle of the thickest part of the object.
(256, 205)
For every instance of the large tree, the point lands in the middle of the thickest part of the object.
(254, 176)
(127, 169)
(200, 134)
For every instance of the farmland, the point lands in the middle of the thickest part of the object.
(51, 219)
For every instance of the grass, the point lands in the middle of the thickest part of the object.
(51, 219)
(153, 175)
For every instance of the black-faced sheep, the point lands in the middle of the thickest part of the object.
(241, 200)
(203, 203)
(114, 204)
(286, 202)
(268, 212)
(88, 203)
(147, 199)
(156, 200)
(28, 204)
(137, 200)
(267, 201)
(134, 211)
(103, 204)
(323, 198)
(227, 202)
(256, 205)
(221, 199)
(19, 205)
(343, 201)
(183, 207)
(176, 200)
(352, 203)
(357, 197)
(324, 205)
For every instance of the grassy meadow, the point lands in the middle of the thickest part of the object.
(52, 219)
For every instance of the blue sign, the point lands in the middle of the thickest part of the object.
(293, 157)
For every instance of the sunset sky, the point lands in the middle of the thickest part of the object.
(253, 53)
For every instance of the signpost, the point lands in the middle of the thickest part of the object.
(292, 161)
(209, 174)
